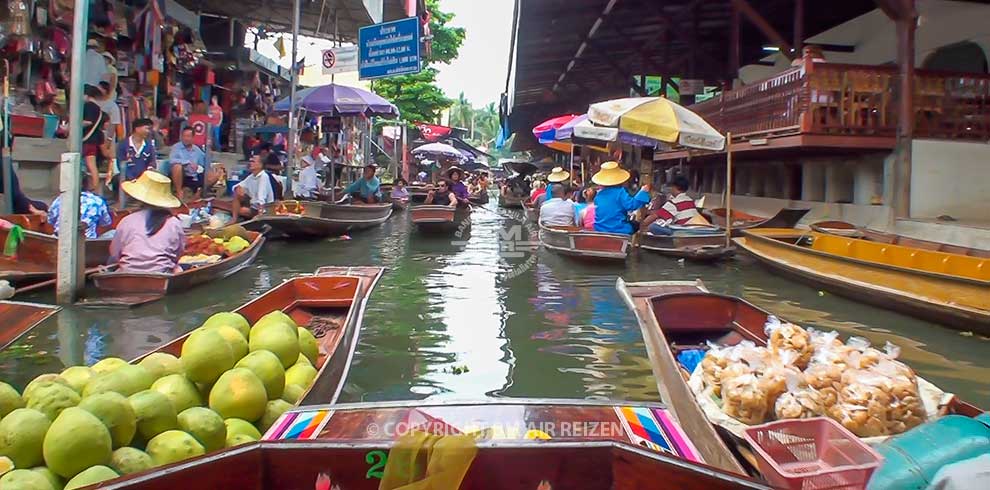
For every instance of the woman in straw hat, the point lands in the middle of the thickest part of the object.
(613, 203)
(151, 239)
(455, 176)
(556, 176)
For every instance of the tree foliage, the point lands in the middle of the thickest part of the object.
(417, 96)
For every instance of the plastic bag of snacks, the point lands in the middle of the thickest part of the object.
(744, 400)
(789, 337)
(906, 409)
(863, 403)
(712, 364)
(799, 401)
(774, 374)
(737, 359)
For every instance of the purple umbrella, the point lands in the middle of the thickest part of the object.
(340, 100)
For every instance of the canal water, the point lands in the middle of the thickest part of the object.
(487, 314)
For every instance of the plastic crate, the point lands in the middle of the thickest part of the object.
(812, 454)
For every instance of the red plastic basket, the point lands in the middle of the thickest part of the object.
(812, 454)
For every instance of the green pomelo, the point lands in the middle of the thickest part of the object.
(238, 439)
(42, 380)
(300, 374)
(54, 480)
(75, 441)
(24, 480)
(127, 460)
(276, 332)
(205, 356)
(239, 394)
(238, 427)
(238, 344)
(273, 410)
(179, 390)
(173, 446)
(108, 364)
(205, 425)
(50, 398)
(91, 476)
(231, 319)
(308, 346)
(154, 412)
(267, 367)
(160, 364)
(303, 360)
(116, 413)
(126, 380)
(10, 400)
(78, 377)
(293, 393)
(22, 434)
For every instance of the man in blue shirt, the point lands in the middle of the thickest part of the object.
(188, 163)
(93, 212)
(368, 188)
(137, 153)
(613, 203)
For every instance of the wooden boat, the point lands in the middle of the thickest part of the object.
(297, 220)
(399, 204)
(679, 315)
(511, 201)
(585, 244)
(359, 215)
(34, 267)
(947, 288)
(698, 247)
(137, 288)
(19, 318)
(848, 229)
(97, 249)
(785, 218)
(330, 303)
(480, 198)
(433, 219)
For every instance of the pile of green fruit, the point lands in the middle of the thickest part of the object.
(91, 424)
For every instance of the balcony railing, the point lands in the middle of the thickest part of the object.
(853, 100)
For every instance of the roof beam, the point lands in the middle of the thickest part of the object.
(898, 9)
(761, 23)
(584, 43)
(615, 66)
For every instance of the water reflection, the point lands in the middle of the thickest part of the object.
(524, 322)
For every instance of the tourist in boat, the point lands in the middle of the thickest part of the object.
(309, 182)
(188, 164)
(454, 176)
(93, 211)
(151, 239)
(254, 192)
(368, 188)
(585, 211)
(613, 203)
(559, 209)
(538, 188)
(678, 210)
(442, 196)
(557, 176)
(399, 191)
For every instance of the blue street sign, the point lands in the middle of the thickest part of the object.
(389, 49)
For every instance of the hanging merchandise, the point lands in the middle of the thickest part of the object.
(61, 11)
(20, 17)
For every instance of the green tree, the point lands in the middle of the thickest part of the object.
(417, 96)
(461, 113)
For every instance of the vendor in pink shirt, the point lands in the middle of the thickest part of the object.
(151, 239)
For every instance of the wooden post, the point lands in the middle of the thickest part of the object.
(734, 43)
(8, 170)
(798, 27)
(728, 189)
(68, 268)
(293, 115)
(905, 120)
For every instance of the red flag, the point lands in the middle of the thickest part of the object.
(432, 132)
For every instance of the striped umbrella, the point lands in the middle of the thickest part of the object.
(656, 119)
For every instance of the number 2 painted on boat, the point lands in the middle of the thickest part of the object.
(377, 460)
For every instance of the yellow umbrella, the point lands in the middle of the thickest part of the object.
(656, 118)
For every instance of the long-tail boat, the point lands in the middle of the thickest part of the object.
(510, 201)
(694, 245)
(585, 244)
(19, 318)
(97, 249)
(297, 220)
(118, 288)
(480, 198)
(359, 215)
(678, 315)
(433, 219)
(785, 218)
(848, 229)
(532, 213)
(533, 444)
(33, 267)
(947, 288)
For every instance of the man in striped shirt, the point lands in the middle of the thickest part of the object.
(678, 210)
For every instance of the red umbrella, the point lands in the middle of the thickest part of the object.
(546, 131)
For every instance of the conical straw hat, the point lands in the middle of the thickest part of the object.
(610, 174)
(152, 188)
(558, 175)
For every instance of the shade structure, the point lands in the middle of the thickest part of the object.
(340, 100)
(656, 118)
(546, 131)
(556, 133)
(438, 149)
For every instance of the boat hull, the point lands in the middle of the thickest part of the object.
(532, 214)
(19, 318)
(510, 201)
(960, 303)
(305, 223)
(440, 220)
(585, 244)
(699, 248)
(785, 218)
(359, 216)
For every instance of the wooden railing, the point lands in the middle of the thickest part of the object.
(853, 100)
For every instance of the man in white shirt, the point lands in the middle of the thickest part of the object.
(557, 211)
(254, 192)
(308, 180)
(96, 65)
